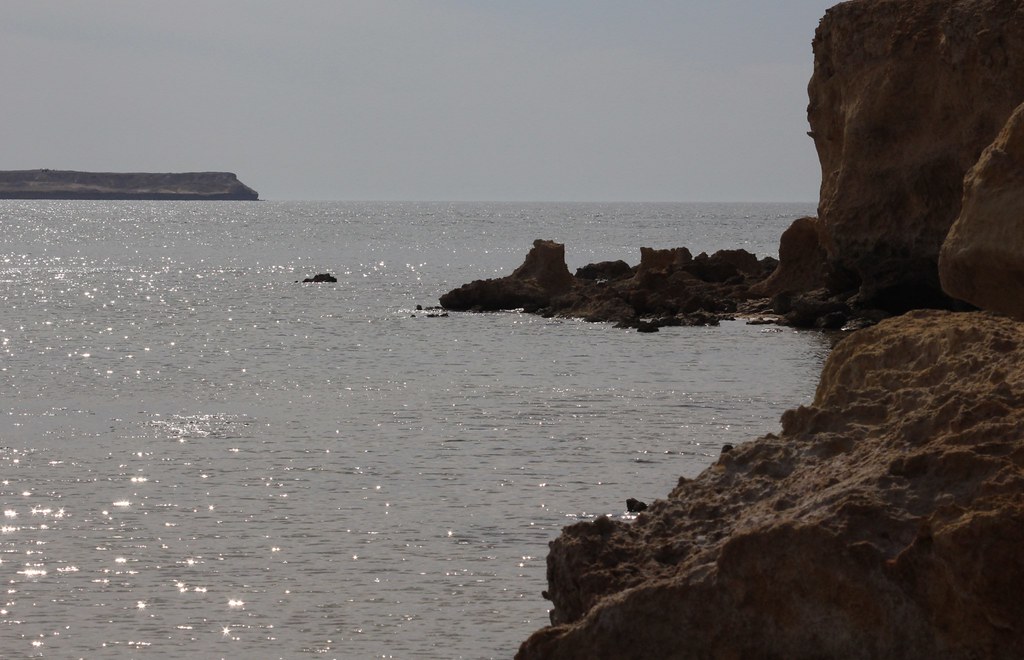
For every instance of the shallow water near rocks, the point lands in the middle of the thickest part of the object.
(199, 455)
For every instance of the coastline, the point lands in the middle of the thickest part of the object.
(884, 519)
(73, 185)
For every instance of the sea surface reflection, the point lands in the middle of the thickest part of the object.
(201, 456)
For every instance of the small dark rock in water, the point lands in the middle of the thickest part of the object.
(321, 277)
(634, 505)
(726, 449)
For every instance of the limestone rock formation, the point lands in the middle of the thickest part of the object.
(982, 260)
(668, 287)
(885, 521)
(904, 97)
(803, 262)
(64, 184)
(532, 286)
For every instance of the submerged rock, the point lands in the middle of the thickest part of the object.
(885, 521)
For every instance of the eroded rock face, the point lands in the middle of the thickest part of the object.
(905, 96)
(982, 260)
(885, 521)
(545, 265)
(803, 262)
(532, 286)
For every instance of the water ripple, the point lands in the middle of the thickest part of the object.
(201, 456)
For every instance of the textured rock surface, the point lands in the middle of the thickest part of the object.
(885, 521)
(982, 260)
(904, 97)
(532, 286)
(64, 184)
(668, 287)
(802, 260)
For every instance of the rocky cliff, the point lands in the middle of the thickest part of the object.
(885, 521)
(63, 184)
(904, 97)
(982, 259)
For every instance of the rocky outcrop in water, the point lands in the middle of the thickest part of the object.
(982, 259)
(64, 184)
(904, 97)
(667, 287)
(885, 521)
(541, 278)
(320, 278)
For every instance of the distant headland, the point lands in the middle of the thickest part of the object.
(66, 184)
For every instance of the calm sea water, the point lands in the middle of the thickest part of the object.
(199, 456)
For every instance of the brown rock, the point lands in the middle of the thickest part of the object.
(886, 520)
(724, 265)
(802, 260)
(542, 277)
(905, 96)
(545, 265)
(605, 270)
(812, 309)
(320, 278)
(982, 260)
(662, 262)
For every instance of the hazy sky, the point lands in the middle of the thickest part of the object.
(667, 100)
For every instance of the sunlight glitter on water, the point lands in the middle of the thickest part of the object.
(244, 387)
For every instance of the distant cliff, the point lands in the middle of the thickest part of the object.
(65, 184)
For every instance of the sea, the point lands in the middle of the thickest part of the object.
(202, 457)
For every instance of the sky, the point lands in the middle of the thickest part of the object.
(520, 100)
